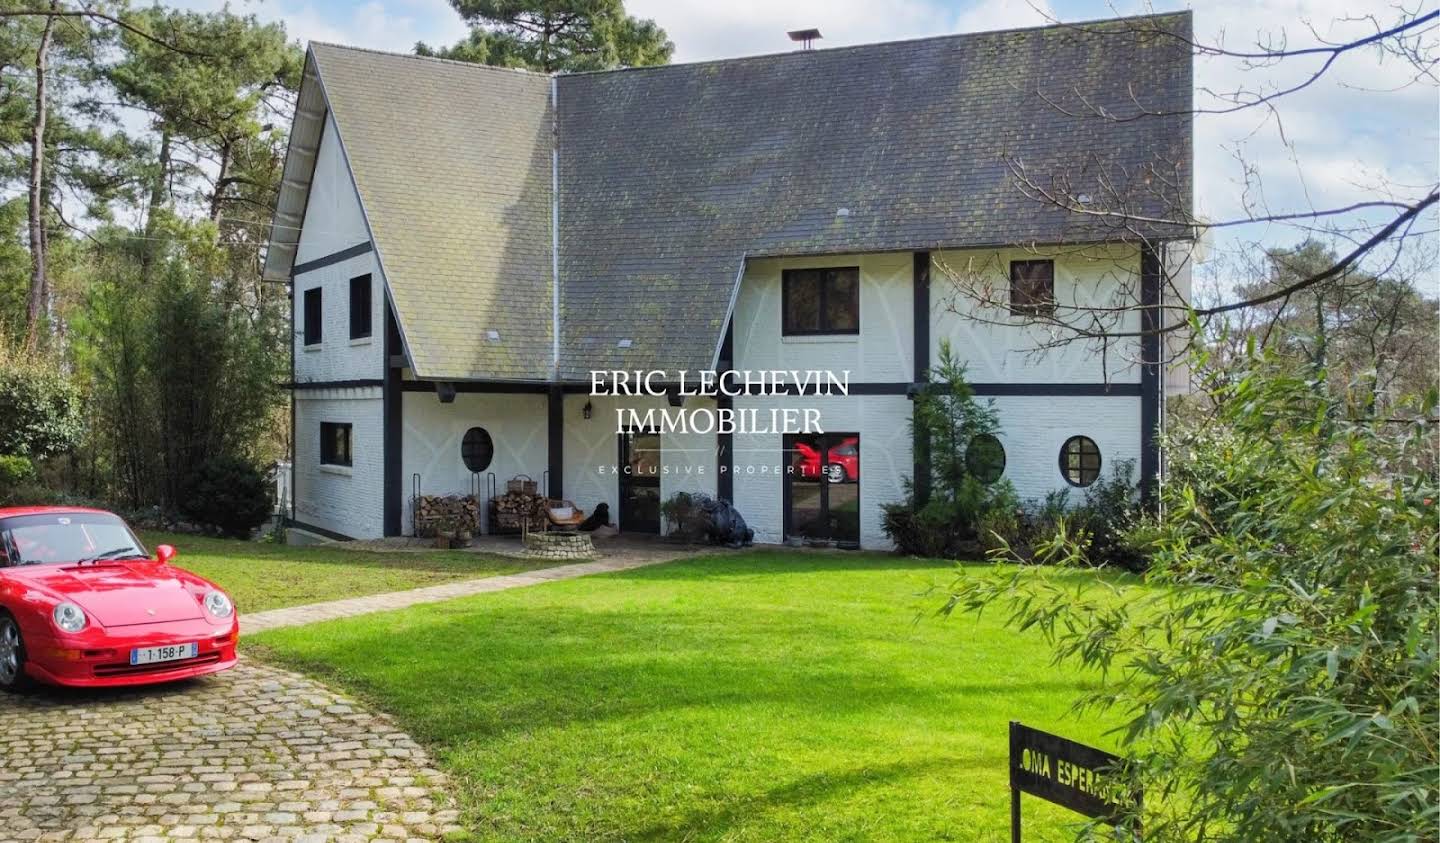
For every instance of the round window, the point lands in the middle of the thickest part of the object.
(985, 457)
(477, 449)
(1080, 461)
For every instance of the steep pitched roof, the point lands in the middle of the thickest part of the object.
(668, 177)
(453, 165)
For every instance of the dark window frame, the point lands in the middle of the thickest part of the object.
(314, 316)
(468, 446)
(362, 317)
(1022, 301)
(787, 488)
(1080, 441)
(332, 452)
(824, 329)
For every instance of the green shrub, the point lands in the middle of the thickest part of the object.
(1001, 520)
(679, 511)
(229, 494)
(947, 418)
(15, 470)
(42, 409)
(1280, 680)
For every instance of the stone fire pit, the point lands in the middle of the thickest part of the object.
(568, 546)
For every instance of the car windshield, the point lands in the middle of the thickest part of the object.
(67, 537)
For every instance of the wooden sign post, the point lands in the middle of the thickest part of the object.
(1079, 777)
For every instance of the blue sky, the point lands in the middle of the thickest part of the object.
(1332, 145)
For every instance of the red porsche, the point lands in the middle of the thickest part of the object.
(83, 604)
(842, 466)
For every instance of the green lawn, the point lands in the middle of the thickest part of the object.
(267, 576)
(761, 696)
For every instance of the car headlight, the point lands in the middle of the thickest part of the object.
(217, 604)
(69, 617)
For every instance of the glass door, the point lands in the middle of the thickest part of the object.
(822, 487)
(640, 481)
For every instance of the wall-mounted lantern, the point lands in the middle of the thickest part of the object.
(588, 411)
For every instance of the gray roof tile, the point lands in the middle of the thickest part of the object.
(669, 176)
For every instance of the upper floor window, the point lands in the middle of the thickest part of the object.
(360, 307)
(820, 301)
(335, 439)
(313, 315)
(1032, 287)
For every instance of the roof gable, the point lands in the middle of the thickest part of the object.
(668, 177)
(452, 163)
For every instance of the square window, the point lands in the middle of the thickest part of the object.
(820, 301)
(1032, 287)
(360, 307)
(313, 316)
(335, 439)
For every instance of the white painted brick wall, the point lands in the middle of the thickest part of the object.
(885, 457)
(1032, 429)
(333, 222)
(999, 353)
(433, 432)
(881, 352)
(592, 448)
(346, 501)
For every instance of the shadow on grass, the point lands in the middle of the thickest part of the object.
(495, 671)
(200, 549)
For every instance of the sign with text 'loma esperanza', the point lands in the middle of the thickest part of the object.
(1079, 777)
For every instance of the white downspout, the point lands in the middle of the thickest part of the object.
(554, 229)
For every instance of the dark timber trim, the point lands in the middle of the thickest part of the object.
(319, 531)
(350, 384)
(556, 406)
(869, 388)
(725, 442)
(1057, 389)
(920, 443)
(334, 257)
(467, 387)
(294, 451)
(393, 404)
(1150, 272)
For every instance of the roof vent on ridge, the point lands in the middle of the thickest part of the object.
(805, 37)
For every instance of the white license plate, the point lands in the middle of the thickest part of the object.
(168, 653)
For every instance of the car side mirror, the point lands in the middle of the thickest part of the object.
(164, 553)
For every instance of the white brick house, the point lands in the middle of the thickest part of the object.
(467, 244)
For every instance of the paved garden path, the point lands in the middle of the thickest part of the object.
(350, 607)
(255, 753)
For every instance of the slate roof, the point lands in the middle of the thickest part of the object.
(453, 165)
(669, 177)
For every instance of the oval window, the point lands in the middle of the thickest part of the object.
(477, 449)
(985, 458)
(1080, 461)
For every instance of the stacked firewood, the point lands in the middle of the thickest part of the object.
(446, 513)
(510, 510)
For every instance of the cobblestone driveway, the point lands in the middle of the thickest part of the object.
(255, 753)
